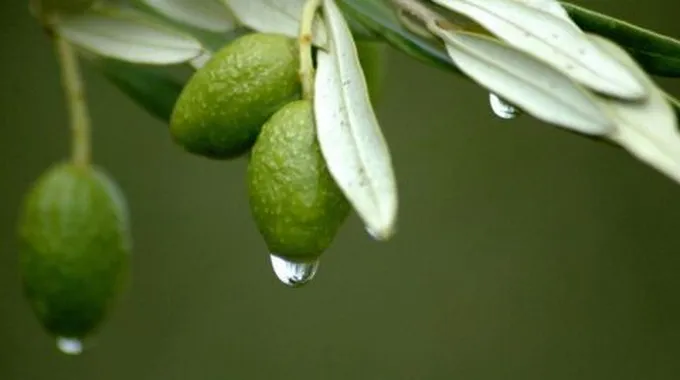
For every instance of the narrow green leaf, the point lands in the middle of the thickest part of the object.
(657, 54)
(675, 103)
(359, 31)
(379, 17)
(151, 87)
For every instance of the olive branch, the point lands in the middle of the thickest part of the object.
(566, 65)
(570, 67)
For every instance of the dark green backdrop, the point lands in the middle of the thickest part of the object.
(523, 252)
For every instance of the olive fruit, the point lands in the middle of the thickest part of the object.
(74, 249)
(222, 108)
(296, 204)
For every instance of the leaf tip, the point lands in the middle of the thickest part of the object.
(382, 234)
(384, 225)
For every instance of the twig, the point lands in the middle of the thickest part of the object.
(305, 45)
(75, 98)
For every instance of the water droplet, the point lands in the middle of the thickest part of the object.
(70, 346)
(293, 273)
(501, 108)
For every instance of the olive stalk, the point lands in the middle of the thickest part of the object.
(74, 92)
(305, 45)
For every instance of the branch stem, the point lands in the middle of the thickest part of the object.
(305, 45)
(75, 98)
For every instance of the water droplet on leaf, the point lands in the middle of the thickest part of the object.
(70, 346)
(294, 273)
(501, 108)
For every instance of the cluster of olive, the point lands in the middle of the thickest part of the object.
(245, 101)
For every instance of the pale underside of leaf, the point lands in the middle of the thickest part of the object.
(647, 129)
(276, 16)
(128, 36)
(153, 88)
(537, 88)
(201, 60)
(350, 138)
(658, 54)
(550, 6)
(210, 15)
(553, 40)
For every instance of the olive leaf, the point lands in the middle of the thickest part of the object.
(657, 54)
(538, 88)
(225, 39)
(350, 138)
(379, 17)
(152, 88)
(276, 16)
(552, 40)
(210, 15)
(675, 103)
(647, 129)
(201, 60)
(127, 35)
(360, 31)
(550, 6)
(210, 40)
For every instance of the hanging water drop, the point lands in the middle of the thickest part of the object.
(501, 108)
(294, 273)
(70, 346)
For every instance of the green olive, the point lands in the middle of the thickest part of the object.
(74, 249)
(296, 204)
(222, 108)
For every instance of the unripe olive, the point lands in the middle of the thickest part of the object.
(225, 103)
(296, 204)
(74, 249)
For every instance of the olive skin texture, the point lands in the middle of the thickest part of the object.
(74, 249)
(296, 205)
(224, 104)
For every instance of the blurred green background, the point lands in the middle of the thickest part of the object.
(523, 252)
